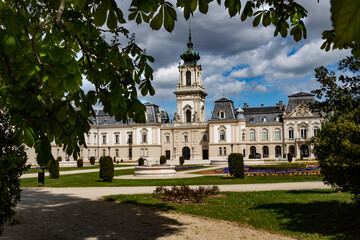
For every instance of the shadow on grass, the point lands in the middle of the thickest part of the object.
(311, 191)
(158, 206)
(337, 219)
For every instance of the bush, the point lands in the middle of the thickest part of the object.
(59, 158)
(301, 156)
(53, 167)
(141, 161)
(289, 157)
(236, 165)
(162, 160)
(251, 156)
(106, 168)
(80, 163)
(181, 160)
(92, 160)
(184, 194)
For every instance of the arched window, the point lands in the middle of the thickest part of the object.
(277, 151)
(243, 137)
(222, 135)
(188, 116)
(188, 78)
(252, 134)
(277, 134)
(265, 152)
(252, 150)
(222, 114)
(264, 134)
(291, 133)
(303, 132)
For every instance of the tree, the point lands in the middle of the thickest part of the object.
(12, 164)
(48, 47)
(337, 145)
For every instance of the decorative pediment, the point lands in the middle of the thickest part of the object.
(302, 110)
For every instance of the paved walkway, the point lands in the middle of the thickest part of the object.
(98, 192)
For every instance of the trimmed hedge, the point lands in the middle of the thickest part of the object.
(92, 160)
(80, 163)
(106, 168)
(54, 168)
(279, 166)
(236, 165)
(181, 160)
(162, 160)
(141, 161)
(289, 157)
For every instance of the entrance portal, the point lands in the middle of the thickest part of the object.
(205, 154)
(186, 153)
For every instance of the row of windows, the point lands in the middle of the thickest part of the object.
(303, 132)
(104, 138)
(186, 138)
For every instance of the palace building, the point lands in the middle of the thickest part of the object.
(268, 132)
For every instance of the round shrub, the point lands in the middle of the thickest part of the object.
(251, 156)
(80, 163)
(106, 168)
(236, 165)
(54, 168)
(289, 157)
(141, 161)
(59, 158)
(181, 160)
(92, 160)
(162, 160)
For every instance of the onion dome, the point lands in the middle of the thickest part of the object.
(190, 57)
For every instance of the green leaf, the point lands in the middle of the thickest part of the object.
(72, 116)
(157, 21)
(28, 136)
(203, 6)
(346, 21)
(170, 18)
(101, 12)
(257, 20)
(61, 115)
(112, 20)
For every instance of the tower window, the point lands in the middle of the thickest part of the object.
(188, 78)
(188, 116)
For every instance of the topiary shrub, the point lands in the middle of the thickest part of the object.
(181, 160)
(80, 163)
(92, 160)
(162, 160)
(140, 161)
(301, 156)
(251, 156)
(236, 165)
(59, 158)
(106, 168)
(54, 168)
(289, 157)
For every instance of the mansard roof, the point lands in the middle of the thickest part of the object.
(226, 105)
(298, 98)
(256, 115)
(152, 110)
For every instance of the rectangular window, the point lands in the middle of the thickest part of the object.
(130, 152)
(116, 152)
(316, 130)
(291, 133)
(95, 153)
(104, 152)
(146, 152)
(144, 140)
(220, 150)
(58, 152)
(117, 139)
(88, 138)
(103, 139)
(277, 135)
(252, 135)
(88, 153)
(303, 133)
(167, 138)
(142, 152)
(129, 138)
(264, 135)
(224, 150)
(205, 138)
(185, 138)
(243, 136)
(95, 138)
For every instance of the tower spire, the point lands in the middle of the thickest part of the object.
(189, 29)
(190, 57)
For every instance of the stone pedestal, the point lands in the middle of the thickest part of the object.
(148, 171)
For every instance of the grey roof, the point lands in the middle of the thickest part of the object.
(296, 99)
(256, 115)
(226, 105)
(152, 110)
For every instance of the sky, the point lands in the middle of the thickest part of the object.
(239, 62)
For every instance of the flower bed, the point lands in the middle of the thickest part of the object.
(187, 167)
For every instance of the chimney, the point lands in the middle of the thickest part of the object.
(280, 105)
(245, 105)
(158, 117)
(262, 105)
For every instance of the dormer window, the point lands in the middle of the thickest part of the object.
(264, 119)
(222, 114)
(277, 119)
(251, 119)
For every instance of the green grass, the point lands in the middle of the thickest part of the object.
(309, 214)
(36, 170)
(92, 180)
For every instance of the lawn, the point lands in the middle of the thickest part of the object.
(309, 214)
(36, 170)
(93, 180)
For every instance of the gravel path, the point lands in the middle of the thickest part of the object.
(47, 214)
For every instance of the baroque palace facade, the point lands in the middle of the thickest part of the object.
(268, 132)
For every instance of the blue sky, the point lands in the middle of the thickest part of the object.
(240, 62)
